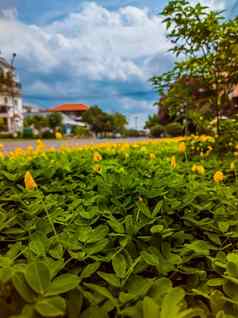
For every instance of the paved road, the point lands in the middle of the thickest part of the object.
(10, 144)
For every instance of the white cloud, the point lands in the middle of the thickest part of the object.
(94, 42)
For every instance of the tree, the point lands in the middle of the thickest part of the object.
(39, 122)
(55, 120)
(207, 48)
(119, 122)
(152, 121)
(95, 118)
(101, 122)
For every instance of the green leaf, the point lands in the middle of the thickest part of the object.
(51, 307)
(172, 302)
(89, 270)
(116, 225)
(150, 308)
(74, 304)
(119, 265)
(111, 279)
(102, 291)
(150, 258)
(215, 282)
(63, 284)
(94, 312)
(157, 229)
(56, 251)
(98, 234)
(37, 276)
(160, 288)
(37, 245)
(22, 288)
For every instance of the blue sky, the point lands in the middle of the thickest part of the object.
(96, 52)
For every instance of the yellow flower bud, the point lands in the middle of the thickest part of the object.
(173, 162)
(30, 183)
(182, 148)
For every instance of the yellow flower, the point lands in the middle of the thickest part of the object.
(173, 162)
(194, 168)
(97, 168)
(30, 183)
(97, 156)
(233, 166)
(198, 169)
(58, 135)
(182, 148)
(218, 177)
(152, 156)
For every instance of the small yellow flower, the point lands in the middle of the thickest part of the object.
(173, 162)
(233, 166)
(198, 169)
(194, 168)
(58, 135)
(97, 168)
(218, 177)
(97, 156)
(182, 148)
(30, 183)
(152, 156)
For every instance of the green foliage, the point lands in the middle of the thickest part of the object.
(157, 131)
(152, 121)
(206, 45)
(137, 239)
(55, 120)
(227, 140)
(81, 132)
(102, 122)
(174, 129)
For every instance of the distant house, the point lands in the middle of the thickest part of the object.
(11, 109)
(72, 115)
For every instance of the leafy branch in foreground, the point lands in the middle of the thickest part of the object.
(206, 46)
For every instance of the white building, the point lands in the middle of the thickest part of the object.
(11, 108)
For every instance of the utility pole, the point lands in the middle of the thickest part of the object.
(136, 122)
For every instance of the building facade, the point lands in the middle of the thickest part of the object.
(11, 106)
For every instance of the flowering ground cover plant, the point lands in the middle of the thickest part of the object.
(143, 230)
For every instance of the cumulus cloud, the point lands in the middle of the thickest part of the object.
(94, 42)
(100, 55)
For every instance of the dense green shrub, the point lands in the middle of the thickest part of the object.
(228, 136)
(47, 134)
(174, 129)
(157, 131)
(81, 132)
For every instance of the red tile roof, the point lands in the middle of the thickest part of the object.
(69, 108)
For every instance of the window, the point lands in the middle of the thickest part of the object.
(15, 102)
(6, 100)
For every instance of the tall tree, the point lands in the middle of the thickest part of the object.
(206, 47)
(55, 120)
(119, 122)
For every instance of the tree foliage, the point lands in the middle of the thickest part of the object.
(101, 122)
(206, 47)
